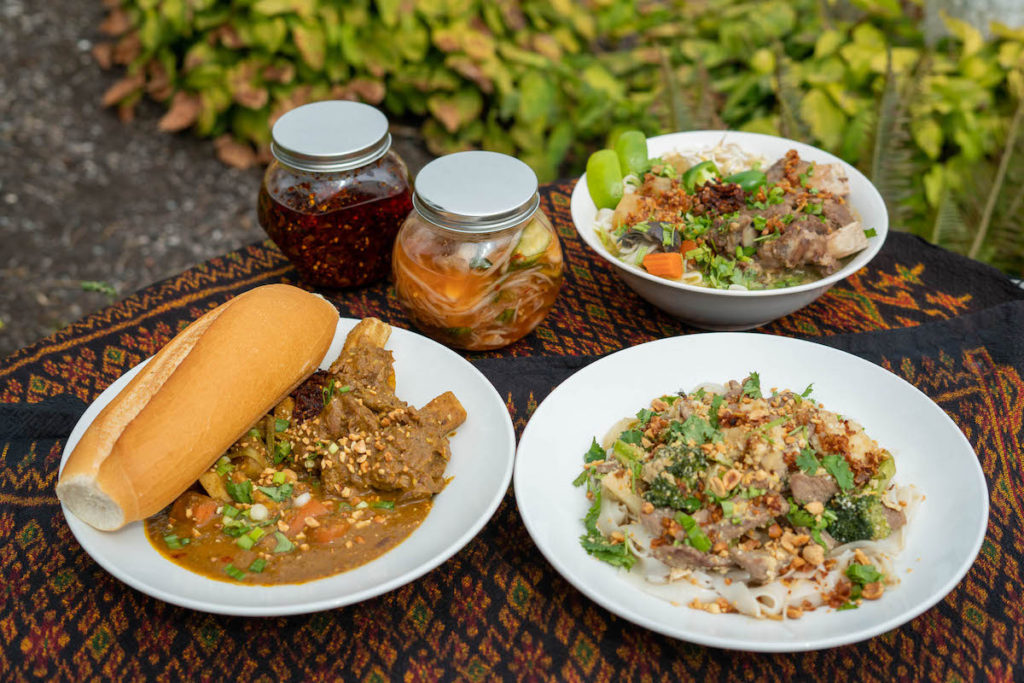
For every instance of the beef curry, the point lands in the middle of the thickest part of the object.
(339, 473)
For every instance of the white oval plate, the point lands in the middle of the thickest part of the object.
(483, 450)
(931, 453)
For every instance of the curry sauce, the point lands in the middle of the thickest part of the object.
(339, 473)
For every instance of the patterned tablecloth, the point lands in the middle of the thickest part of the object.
(949, 326)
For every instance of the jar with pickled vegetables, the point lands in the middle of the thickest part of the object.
(477, 265)
(336, 193)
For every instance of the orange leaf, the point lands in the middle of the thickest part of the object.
(183, 113)
(116, 23)
(122, 89)
(234, 153)
(103, 53)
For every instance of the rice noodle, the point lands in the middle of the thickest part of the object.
(797, 587)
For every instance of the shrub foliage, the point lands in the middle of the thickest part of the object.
(936, 127)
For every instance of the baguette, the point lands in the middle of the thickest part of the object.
(196, 397)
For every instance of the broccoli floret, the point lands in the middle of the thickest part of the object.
(664, 492)
(857, 518)
(684, 463)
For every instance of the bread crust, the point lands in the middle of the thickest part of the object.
(196, 397)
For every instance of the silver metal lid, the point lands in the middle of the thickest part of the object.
(326, 137)
(476, 192)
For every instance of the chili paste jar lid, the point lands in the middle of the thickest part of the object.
(476, 192)
(326, 137)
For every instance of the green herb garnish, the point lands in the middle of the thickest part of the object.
(836, 466)
(234, 572)
(278, 494)
(240, 492)
(283, 544)
(807, 462)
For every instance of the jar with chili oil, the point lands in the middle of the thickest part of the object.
(336, 193)
(477, 265)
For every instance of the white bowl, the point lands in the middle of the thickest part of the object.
(720, 309)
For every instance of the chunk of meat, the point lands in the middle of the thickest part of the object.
(847, 240)
(807, 488)
(683, 556)
(760, 564)
(837, 213)
(755, 516)
(799, 245)
(895, 518)
(829, 178)
(309, 396)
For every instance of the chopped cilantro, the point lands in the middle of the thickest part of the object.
(752, 386)
(870, 232)
(283, 544)
(239, 492)
(695, 429)
(644, 416)
(863, 573)
(716, 403)
(594, 542)
(836, 466)
(595, 452)
(807, 392)
(277, 494)
(631, 436)
(280, 425)
(807, 462)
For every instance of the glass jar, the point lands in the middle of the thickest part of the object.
(336, 194)
(477, 265)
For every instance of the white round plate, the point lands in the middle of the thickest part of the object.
(483, 450)
(931, 453)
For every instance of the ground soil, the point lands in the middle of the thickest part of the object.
(85, 198)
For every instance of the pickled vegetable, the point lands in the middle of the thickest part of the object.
(477, 308)
(533, 242)
(604, 178)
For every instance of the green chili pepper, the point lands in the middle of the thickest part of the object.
(699, 174)
(604, 179)
(748, 180)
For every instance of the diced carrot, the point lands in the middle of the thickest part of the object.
(203, 512)
(664, 264)
(687, 246)
(328, 531)
(313, 508)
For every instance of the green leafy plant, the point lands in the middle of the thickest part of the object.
(936, 126)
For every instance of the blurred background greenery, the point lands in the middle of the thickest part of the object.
(934, 123)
